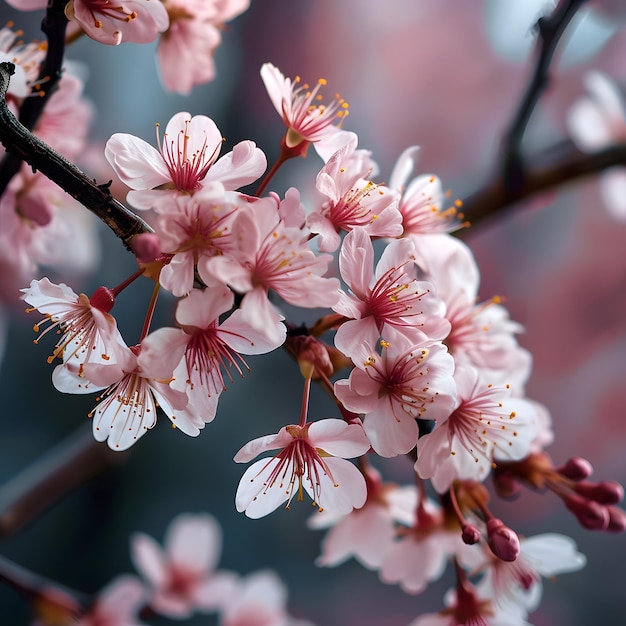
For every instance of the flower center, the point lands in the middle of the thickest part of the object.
(186, 169)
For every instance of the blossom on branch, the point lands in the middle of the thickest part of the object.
(388, 298)
(307, 120)
(186, 160)
(113, 21)
(311, 458)
(408, 380)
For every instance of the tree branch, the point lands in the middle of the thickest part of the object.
(53, 25)
(551, 168)
(65, 467)
(97, 198)
(550, 29)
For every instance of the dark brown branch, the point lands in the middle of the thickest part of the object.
(64, 468)
(53, 25)
(97, 198)
(45, 593)
(549, 31)
(550, 169)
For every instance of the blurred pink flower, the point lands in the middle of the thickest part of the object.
(595, 122)
(118, 604)
(182, 575)
(258, 600)
(185, 51)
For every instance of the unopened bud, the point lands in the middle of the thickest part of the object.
(146, 246)
(470, 534)
(506, 485)
(590, 514)
(502, 540)
(617, 520)
(576, 469)
(102, 299)
(606, 492)
(313, 357)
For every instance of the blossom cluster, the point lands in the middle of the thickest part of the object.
(433, 371)
(416, 361)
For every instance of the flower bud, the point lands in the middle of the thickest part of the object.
(606, 492)
(576, 469)
(502, 540)
(102, 299)
(146, 246)
(590, 514)
(617, 520)
(470, 534)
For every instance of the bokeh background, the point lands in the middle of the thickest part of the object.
(445, 75)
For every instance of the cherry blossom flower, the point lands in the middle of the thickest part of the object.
(185, 161)
(595, 122)
(307, 120)
(486, 425)
(409, 380)
(465, 607)
(389, 298)
(84, 325)
(312, 457)
(421, 201)
(182, 575)
(205, 347)
(196, 230)
(420, 554)
(134, 387)
(111, 21)
(271, 255)
(352, 201)
(258, 600)
(185, 51)
(482, 333)
(366, 533)
(26, 58)
(118, 604)
(519, 582)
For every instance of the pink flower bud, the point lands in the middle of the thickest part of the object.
(146, 247)
(617, 520)
(470, 534)
(590, 514)
(606, 492)
(502, 540)
(576, 469)
(506, 485)
(102, 299)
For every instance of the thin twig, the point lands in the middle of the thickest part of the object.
(64, 468)
(43, 591)
(97, 198)
(549, 31)
(550, 169)
(53, 25)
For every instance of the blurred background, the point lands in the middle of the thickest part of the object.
(446, 76)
